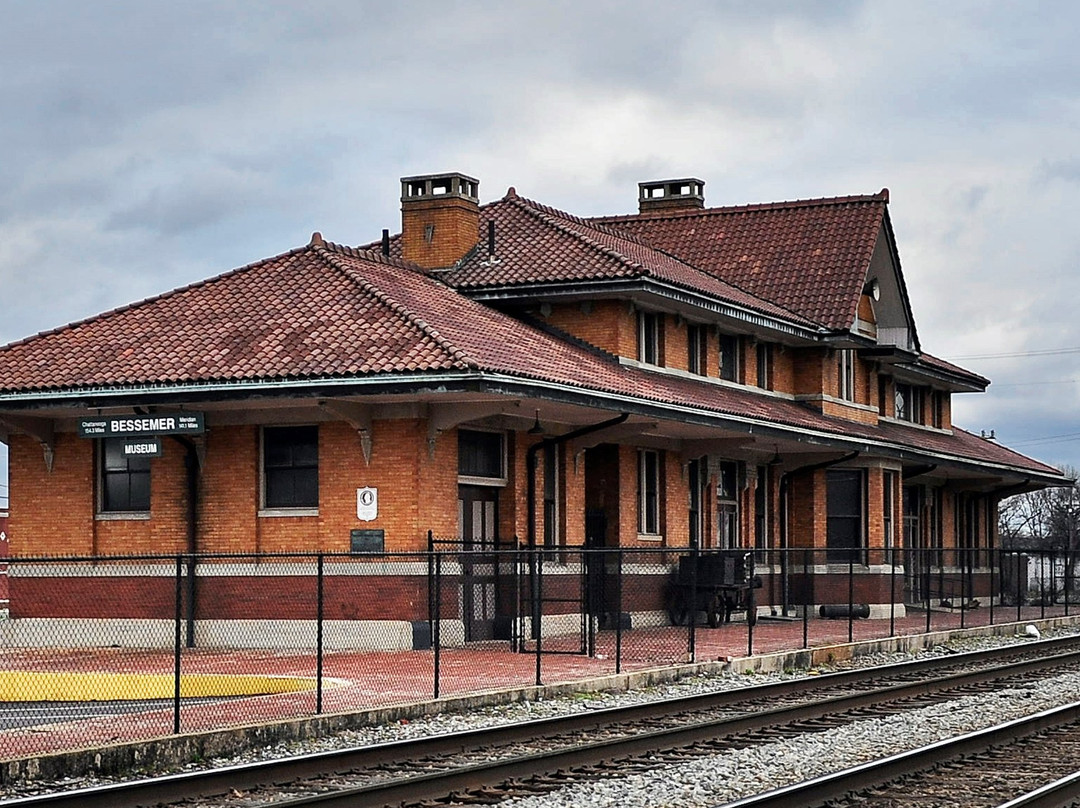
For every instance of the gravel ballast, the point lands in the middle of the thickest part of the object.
(711, 780)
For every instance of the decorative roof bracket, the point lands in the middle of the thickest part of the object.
(40, 429)
(442, 417)
(358, 416)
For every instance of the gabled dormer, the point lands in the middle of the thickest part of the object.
(883, 310)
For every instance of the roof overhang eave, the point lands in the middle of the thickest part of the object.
(490, 382)
(591, 290)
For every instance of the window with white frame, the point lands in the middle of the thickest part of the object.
(909, 403)
(290, 467)
(649, 492)
(650, 337)
(845, 371)
(727, 505)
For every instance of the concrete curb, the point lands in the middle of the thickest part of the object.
(169, 753)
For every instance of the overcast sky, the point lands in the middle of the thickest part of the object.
(144, 145)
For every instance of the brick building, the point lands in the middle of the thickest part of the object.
(721, 377)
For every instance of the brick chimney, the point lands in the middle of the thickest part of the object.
(663, 195)
(440, 218)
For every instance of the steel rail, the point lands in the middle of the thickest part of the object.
(1061, 793)
(173, 788)
(819, 790)
(438, 785)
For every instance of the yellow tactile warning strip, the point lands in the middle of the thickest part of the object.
(57, 686)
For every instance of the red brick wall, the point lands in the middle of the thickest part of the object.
(229, 491)
(809, 371)
(608, 324)
(456, 224)
(417, 492)
(166, 529)
(628, 499)
(783, 369)
(55, 509)
(808, 509)
(676, 349)
(676, 502)
(239, 597)
(572, 483)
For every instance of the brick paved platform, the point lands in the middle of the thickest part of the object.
(358, 681)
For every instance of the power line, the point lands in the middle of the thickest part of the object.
(1045, 352)
(1029, 384)
(1068, 436)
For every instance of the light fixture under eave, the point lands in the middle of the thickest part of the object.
(536, 429)
(776, 459)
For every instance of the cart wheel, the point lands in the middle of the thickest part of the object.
(677, 611)
(716, 611)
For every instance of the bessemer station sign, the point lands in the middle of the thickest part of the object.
(137, 426)
(142, 432)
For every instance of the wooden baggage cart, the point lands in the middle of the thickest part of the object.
(722, 586)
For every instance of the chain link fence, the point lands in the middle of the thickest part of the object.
(104, 650)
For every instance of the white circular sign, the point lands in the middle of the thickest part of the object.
(367, 504)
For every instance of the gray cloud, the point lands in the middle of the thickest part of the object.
(154, 144)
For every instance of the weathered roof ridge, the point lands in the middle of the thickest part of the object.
(551, 216)
(881, 196)
(153, 298)
(327, 252)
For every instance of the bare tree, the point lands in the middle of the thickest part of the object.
(1046, 521)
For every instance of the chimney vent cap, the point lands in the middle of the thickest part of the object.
(440, 186)
(688, 192)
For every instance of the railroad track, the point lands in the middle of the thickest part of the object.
(482, 765)
(1032, 762)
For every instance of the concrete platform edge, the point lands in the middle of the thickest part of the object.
(163, 754)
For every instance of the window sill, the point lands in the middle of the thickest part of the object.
(122, 516)
(275, 513)
(653, 537)
(493, 482)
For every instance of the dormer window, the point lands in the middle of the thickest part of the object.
(937, 409)
(845, 371)
(909, 403)
(650, 331)
(729, 357)
(697, 343)
(764, 365)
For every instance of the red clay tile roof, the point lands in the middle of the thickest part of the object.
(949, 367)
(537, 244)
(292, 316)
(808, 256)
(324, 311)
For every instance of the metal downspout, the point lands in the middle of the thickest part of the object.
(530, 472)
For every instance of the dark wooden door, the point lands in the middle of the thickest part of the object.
(478, 530)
